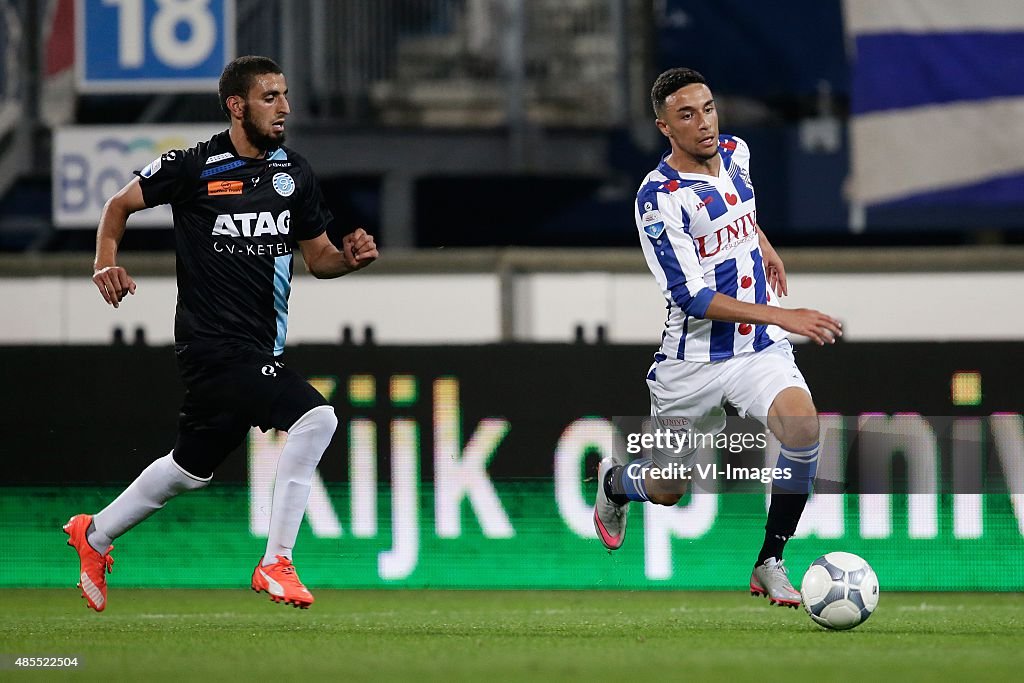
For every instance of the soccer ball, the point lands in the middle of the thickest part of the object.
(839, 591)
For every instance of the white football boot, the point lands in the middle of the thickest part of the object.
(771, 580)
(609, 518)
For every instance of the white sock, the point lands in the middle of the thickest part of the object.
(306, 444)
(157, 484)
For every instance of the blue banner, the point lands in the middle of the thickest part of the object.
(937, 106)
(137, 46)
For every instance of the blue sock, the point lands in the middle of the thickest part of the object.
(802, 464)
(629, 480)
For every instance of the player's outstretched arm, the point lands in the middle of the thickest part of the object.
(815, 325)
(773, 266)
(324, 260)
(111, 279)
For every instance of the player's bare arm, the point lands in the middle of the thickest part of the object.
(324, 260)
(111, 279)
(773, 266)
(815, 325)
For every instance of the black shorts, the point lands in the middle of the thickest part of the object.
(228, 391)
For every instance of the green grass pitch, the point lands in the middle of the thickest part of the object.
(176, 635)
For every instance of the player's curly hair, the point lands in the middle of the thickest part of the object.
(239, 74)
(670, 81)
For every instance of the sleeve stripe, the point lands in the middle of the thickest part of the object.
(695, 305)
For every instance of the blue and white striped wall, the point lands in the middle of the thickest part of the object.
(937, 102)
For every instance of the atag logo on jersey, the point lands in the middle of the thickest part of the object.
(241, 224)
(216, 188)
(283, 184)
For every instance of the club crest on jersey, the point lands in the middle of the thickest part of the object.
(252, 224)
(284, 185)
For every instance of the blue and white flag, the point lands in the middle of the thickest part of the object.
(937, 101)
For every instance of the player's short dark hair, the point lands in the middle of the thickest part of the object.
(670, 81)
(238, 77)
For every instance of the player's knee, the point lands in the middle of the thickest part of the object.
(320, 419)
(183, 478)
(799, 431)
(804, 432)
(195, 464)
(668, 499)
(314, 431)
(330, 420)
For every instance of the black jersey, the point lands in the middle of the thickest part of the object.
(236, 222)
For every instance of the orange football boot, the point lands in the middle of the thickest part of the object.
(281, 582)
(94, 566)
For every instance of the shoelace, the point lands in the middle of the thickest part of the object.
(780, 569)
(286, 565)
(108, 561)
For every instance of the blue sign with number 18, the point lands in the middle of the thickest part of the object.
(153, 45)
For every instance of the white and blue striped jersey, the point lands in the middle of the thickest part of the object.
(700, 236)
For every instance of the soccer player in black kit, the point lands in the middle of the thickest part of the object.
(242, 202)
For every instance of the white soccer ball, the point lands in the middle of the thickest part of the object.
(839, 591)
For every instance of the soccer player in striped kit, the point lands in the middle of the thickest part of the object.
(725, 337)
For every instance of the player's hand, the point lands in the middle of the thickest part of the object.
(774, 269)
(359, 249)
(815, 325)
(114, 283)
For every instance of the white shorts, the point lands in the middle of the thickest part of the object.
(750, 382)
